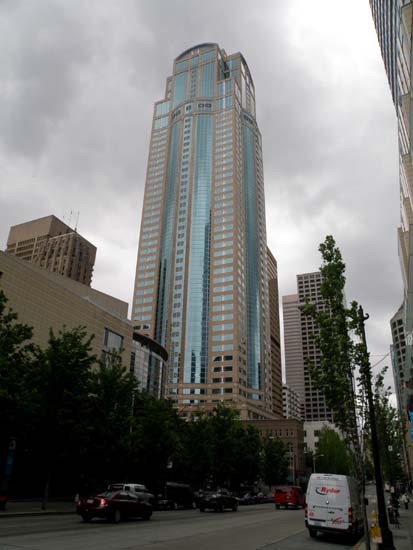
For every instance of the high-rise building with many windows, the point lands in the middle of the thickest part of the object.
(202, 286)
(393, 20)
(300, 348)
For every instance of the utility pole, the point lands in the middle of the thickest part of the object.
(365, 371)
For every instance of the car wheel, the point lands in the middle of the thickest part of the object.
(235, 508)
(202, 509)
(277, 506)
(147, 515)
(312, 533)
(220, 508)
(116, 516)
(87, 518)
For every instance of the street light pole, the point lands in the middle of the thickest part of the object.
(365, 370)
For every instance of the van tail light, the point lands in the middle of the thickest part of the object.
(350, 515)
(103, 502)
(305, 510)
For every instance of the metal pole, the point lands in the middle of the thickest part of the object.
(365, 369)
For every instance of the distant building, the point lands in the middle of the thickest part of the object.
(300, 348)
(52, 245)
(312, 432)
(292, 404)
(292, 433)
(276, 372)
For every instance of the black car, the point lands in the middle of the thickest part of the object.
(176, 495)
(114, 506)
(217, 500)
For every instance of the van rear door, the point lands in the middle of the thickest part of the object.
(317, 509)
(337, 498)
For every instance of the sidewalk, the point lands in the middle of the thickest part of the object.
(402, 536)
(17, 508)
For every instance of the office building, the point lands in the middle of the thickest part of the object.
(52, 245)
(291, 432)
(300, 348)
(202, 288)
(393, 21)
(274, 303)
(292, 404)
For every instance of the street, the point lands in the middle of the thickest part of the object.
(252, 527)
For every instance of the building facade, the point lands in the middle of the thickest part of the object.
(275, 338)
(148, 362)
(45, 301)
(300, 348)
(292, 404)
(393, 21)
(52, 245)
(201, 287)
(291, 432)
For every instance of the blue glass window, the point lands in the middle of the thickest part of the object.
(207, 80)
(180, 88)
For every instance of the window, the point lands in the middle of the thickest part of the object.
(112, 341)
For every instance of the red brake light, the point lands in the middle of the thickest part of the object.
(103, 502)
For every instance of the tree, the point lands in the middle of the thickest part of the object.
(274, 461)
(113, 391)
(390, 431)
(16, 361)
(332, 454)
(62, 379)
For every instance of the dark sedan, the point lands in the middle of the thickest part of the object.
(114, 506)
(218, 501)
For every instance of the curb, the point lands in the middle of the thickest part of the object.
(4, 515)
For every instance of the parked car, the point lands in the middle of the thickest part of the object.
(333, 505)
(114, 506)
(176, 495)
(247, 499)
(289, 496)
(218, 501)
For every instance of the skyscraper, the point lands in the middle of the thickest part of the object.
(393, 21)
(201, 286)
(300, 348)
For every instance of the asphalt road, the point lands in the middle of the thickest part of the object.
(252, 527)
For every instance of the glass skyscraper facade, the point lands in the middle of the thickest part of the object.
(202, 288)
(393, 20)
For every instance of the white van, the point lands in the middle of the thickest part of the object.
(333, 505)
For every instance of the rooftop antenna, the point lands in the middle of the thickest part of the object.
(77, 219)
(70, 218)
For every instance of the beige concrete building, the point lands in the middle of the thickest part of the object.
(47, 301)
(300, 348)
(52, 245)
(202, 276)
(292, 433)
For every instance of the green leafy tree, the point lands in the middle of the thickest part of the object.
(153, 441)
(274, 461)
(62, 379)
(390, 430)
(332, 454)
(16, 363)
(113, 391)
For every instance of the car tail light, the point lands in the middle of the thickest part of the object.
(103, 502)
(350, 515)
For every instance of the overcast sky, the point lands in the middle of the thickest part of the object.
(77, 85)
